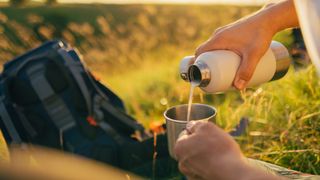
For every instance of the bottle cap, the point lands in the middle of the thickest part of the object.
(185, 63)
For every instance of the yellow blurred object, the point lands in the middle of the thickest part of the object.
(4, 153)
(51, 164)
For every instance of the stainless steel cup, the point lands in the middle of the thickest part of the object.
(176, 120)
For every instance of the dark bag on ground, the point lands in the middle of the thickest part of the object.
(49, 98)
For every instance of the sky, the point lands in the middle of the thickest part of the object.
(169, 1)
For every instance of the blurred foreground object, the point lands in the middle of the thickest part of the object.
(4, 152)
(42, 163)
(309, 18)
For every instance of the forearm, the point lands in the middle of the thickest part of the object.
(251, 173)
(279, 16)
(233, 167)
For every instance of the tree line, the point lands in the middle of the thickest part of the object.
(24, 2)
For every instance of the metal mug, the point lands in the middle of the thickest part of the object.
(176, 120)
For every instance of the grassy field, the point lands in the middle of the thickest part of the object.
(136, 49)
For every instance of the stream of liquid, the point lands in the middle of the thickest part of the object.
(193, 85)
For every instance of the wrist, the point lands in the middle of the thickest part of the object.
(249, 172)
(268, 21)
(278, 17)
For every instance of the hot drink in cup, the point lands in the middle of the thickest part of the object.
(176, 120)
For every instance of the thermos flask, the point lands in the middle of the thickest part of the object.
(215, 71)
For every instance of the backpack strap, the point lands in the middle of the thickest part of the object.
(76, 69)
(54, 105)
(129, 124)
(7, 121)
(110, 131)
(24, 121)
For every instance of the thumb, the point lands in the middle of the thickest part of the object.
(204, 47)
(210, 45)
(246, 69)
(194, 126)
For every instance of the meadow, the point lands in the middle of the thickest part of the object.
(135, 50)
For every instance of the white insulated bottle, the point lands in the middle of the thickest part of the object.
(214, 71)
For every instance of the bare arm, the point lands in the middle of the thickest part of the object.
(250, 37)
(208, 152)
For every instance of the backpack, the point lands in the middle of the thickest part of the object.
(49, 98)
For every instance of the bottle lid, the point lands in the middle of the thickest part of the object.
(185, 63)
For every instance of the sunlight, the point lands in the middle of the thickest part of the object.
(174, 1)
(242, 2)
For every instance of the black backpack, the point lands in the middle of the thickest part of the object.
(49, 98)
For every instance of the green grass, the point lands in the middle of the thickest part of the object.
(136, 50)
(286, 116)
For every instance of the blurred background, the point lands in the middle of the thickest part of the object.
(134, 47)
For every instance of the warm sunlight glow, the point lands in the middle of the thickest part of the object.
(175, 1)
(256, 2)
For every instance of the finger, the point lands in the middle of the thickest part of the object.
(185, 168)
(200, 49)
(207, 46)
(180, 148)
(246, 69)
(195, 126)
(268, 5)
(183, 146)
(218, 30)
(195, 177)
(221, 29)
(188, 141)
(190, 127)
(183, 135)
(213, 43)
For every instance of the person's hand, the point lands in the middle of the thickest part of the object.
(207, 152)
(250, 37)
